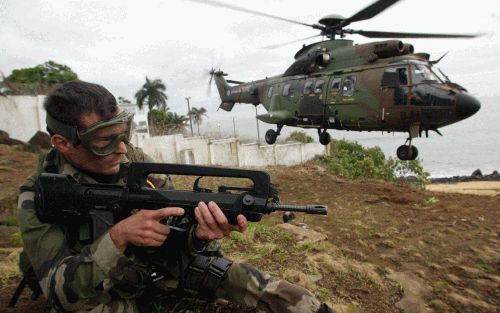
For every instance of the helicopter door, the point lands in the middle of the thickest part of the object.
(312, 105)
(395, 94)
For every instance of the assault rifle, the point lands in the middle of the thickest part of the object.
(60, 199)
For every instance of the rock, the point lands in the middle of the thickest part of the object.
(477, 173)
(303, 235)
(40, 140)
(6, 140)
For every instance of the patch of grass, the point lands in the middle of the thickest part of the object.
(323, 294)
(485, 267)
(10, 221)
(431, 201)
(16, 239)
(354, 308)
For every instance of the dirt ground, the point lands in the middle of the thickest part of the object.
(389, 247)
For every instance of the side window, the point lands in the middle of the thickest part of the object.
(403, 76)
(308, 87)
(288, 90)
(318, 88)
(270, 92)
(348, 86)
(336, 83)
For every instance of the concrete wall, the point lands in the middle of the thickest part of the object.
(227, 152)
(22, 116)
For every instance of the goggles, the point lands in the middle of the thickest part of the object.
(100, 138)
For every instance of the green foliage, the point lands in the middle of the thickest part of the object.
(197, 115)
(49, 73)
(152, 93)
(353, 161)
(164, 122)
(16, 239)
(300, 136)
(38, 79)
(431, 201)
(10, 221)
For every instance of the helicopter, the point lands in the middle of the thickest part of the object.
(336, 84)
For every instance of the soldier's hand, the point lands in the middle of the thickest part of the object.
(143, 228)
(213, 224)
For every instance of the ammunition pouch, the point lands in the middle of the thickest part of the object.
(204, 275)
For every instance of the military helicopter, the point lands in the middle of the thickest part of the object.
(336, 84)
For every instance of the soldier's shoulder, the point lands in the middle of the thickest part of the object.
(136, 154)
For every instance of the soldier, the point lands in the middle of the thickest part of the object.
(80, 273)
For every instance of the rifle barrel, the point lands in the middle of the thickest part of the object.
(309, 209)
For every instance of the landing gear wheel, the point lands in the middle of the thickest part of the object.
(404, 152)
(414, 152)
(324, 138)
(271, 136)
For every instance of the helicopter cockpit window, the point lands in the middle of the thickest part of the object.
(422, 74)
(288, 90)
(308, 87)
(270, 92)
(336, 83)
(318, 88)
(403, 75)
(348, 86)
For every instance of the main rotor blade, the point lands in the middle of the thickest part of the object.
(378, 34)
(370, 11)
(236, 8)
(289, 42)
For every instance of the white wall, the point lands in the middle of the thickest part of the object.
(227, 152)
(22, 116)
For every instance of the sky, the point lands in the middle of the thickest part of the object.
(117, 43)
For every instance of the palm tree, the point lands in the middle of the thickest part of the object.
(176, 123)
(198, 114)
(152, 93)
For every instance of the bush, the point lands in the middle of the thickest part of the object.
(351, 160)
(300, 136)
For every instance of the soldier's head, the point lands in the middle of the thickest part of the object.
(87, 127)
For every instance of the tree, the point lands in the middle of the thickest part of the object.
(164, 123)
(152, 93)
(123, 100)
(176, 123)
(38, 79)
(198, 114)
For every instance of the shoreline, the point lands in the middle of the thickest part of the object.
(483, 187)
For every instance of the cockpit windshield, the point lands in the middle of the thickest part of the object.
(442, 76)
(423, 74)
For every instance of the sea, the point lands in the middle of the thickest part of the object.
(465, 146)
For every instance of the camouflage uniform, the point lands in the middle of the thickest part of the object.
(86, 275)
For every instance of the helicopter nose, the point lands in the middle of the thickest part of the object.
(467, 105)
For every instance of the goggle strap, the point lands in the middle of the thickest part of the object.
(68, 131)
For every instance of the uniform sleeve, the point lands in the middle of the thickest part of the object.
(69, 281)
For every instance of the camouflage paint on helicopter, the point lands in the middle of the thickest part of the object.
(335, 84)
